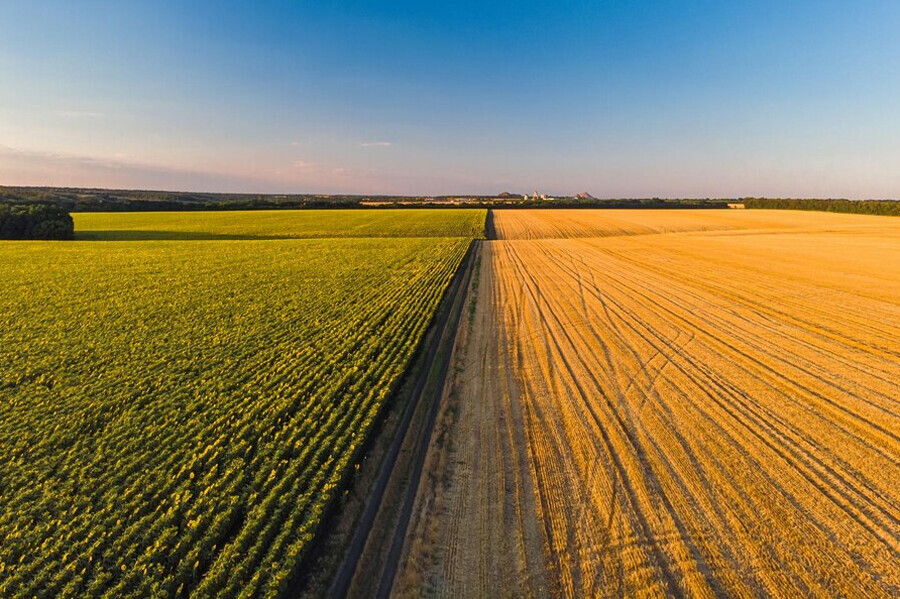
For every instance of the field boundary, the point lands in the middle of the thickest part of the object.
(398, 472)
(490, 231)
(434, 393)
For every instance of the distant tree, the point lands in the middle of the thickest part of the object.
(882, 207)
(35, 221)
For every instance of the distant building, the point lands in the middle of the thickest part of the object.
(538, 196)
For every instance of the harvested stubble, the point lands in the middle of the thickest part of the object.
(702, 413)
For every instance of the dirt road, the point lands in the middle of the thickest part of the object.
(670, 403)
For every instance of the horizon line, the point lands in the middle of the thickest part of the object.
(511, 195)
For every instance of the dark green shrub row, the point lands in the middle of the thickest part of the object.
(35, 221)
(885, 207)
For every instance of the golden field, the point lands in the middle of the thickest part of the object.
(651, 403)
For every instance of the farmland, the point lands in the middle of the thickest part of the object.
(182, 400)
(659, 403)
(278, 224)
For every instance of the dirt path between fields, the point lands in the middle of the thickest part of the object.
(487, 539)
(370, 561)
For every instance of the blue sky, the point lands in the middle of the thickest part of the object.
(618, 98)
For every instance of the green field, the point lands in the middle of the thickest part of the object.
(176, 416)
(279, 224)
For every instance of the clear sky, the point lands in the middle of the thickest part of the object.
(625, 98)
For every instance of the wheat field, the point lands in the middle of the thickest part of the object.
(650, 403)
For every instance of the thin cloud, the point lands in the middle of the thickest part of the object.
(45, 168)
(30, 167)
(295, 143)
(375, 144)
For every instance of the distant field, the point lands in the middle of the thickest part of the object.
(709, 412)
(175, 417)
(567, 224)
(278, 224)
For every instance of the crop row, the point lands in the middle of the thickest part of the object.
(178, 416)
(282, 224)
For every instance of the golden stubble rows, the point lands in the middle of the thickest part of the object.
(702, 412)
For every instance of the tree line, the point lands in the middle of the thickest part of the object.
(884, 207)
(112, 200)
(67, 200)
(35, 221)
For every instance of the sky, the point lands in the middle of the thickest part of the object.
(618, 98)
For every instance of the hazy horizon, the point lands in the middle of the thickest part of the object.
(657, 99)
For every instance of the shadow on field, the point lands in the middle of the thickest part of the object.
(166, 236)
